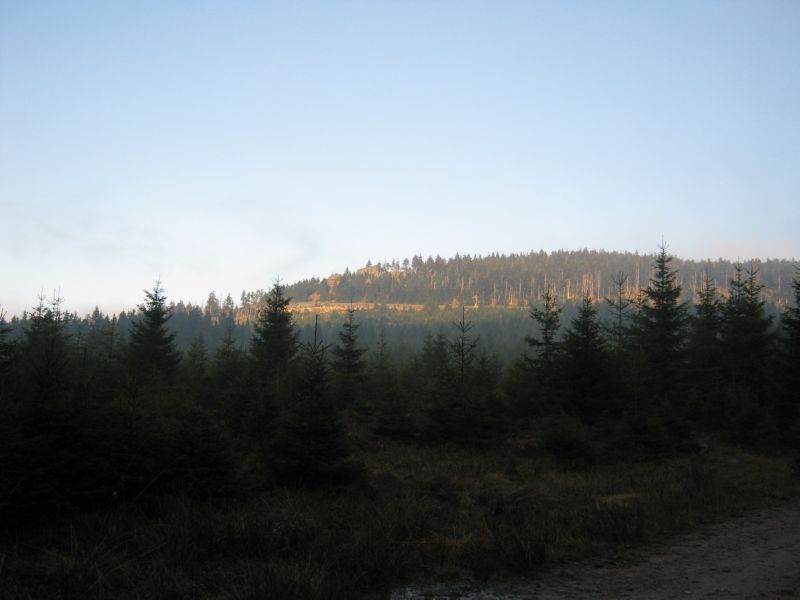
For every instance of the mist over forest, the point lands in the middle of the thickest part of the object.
(405, 300)
(632, 374)
(259, 430)
(268, 370)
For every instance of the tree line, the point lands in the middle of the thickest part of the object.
(516, 280)
(106, 416)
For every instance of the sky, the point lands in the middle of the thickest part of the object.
(219, 145)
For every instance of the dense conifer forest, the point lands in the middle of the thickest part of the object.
(515, 280)
(179, 421)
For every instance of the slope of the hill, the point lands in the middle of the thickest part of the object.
(516, 279)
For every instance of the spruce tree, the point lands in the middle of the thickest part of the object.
(705, 353)
(46, 354)
(458, 415)
(348, 363)
(152, 348)
(434, 366)
(619, 304)
(658, 337)
(230, 398)
(789, 405)
(485, 415)
(196, 369)
(462, 350)
(433, 372)
(309, 448)
(542, 365)
(101, 353)
(392, 414)
(228, 358)
(228, 308)
(585, 381)
(6, 353)
(748, 355)
(747, 340)
(659, 330)
(790, 319)
(548, 319)
(274, 343)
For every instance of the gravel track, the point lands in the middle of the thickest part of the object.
(753, 556)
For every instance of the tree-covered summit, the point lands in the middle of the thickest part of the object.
(514, 280)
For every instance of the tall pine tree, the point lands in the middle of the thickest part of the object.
(789, 404)
(274, 345)
(152, 349)
(231, 399)
(542, 365)
(705, 354)
(459, 416)
(45, 352)
(585, 383)
(748, 356)
(392, 413)
(619, 304)
(747, 340)
(659, 330)
(6, 353)
(348, 363)
(309, 448)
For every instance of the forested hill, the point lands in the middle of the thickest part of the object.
(515, 279)
(503, 281)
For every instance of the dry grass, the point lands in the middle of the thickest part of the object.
(430, 512)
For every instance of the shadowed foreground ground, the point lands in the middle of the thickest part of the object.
(753, 556)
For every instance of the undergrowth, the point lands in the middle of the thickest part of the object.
(418, 512)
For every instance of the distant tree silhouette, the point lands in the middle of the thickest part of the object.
(542, 365)
(705, 354)
(791, 317)
(506, 279)
(485, 413)
(212, 307)
(100, 359)
(231, 399)
(747, 342)
(434, 376)
(619, 306)
(658, 361)
(585, 381)
(228, 307)
(46, 354)
(392, 412)
(309, 448)
(659, 329)
(547, 317)
(348, 363)
(228, 357)
(456, 409)
(6, 353)
(152, 348)
(748, 351)
(462, 350)
(789, 406)
(196, 369)
(274, 343)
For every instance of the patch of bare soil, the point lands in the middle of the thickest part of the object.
(753, 556)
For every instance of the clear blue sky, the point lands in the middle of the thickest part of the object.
(219, 145)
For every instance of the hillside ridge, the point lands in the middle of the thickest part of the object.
(514, 280)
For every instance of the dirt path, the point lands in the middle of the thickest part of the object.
(755, 556)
